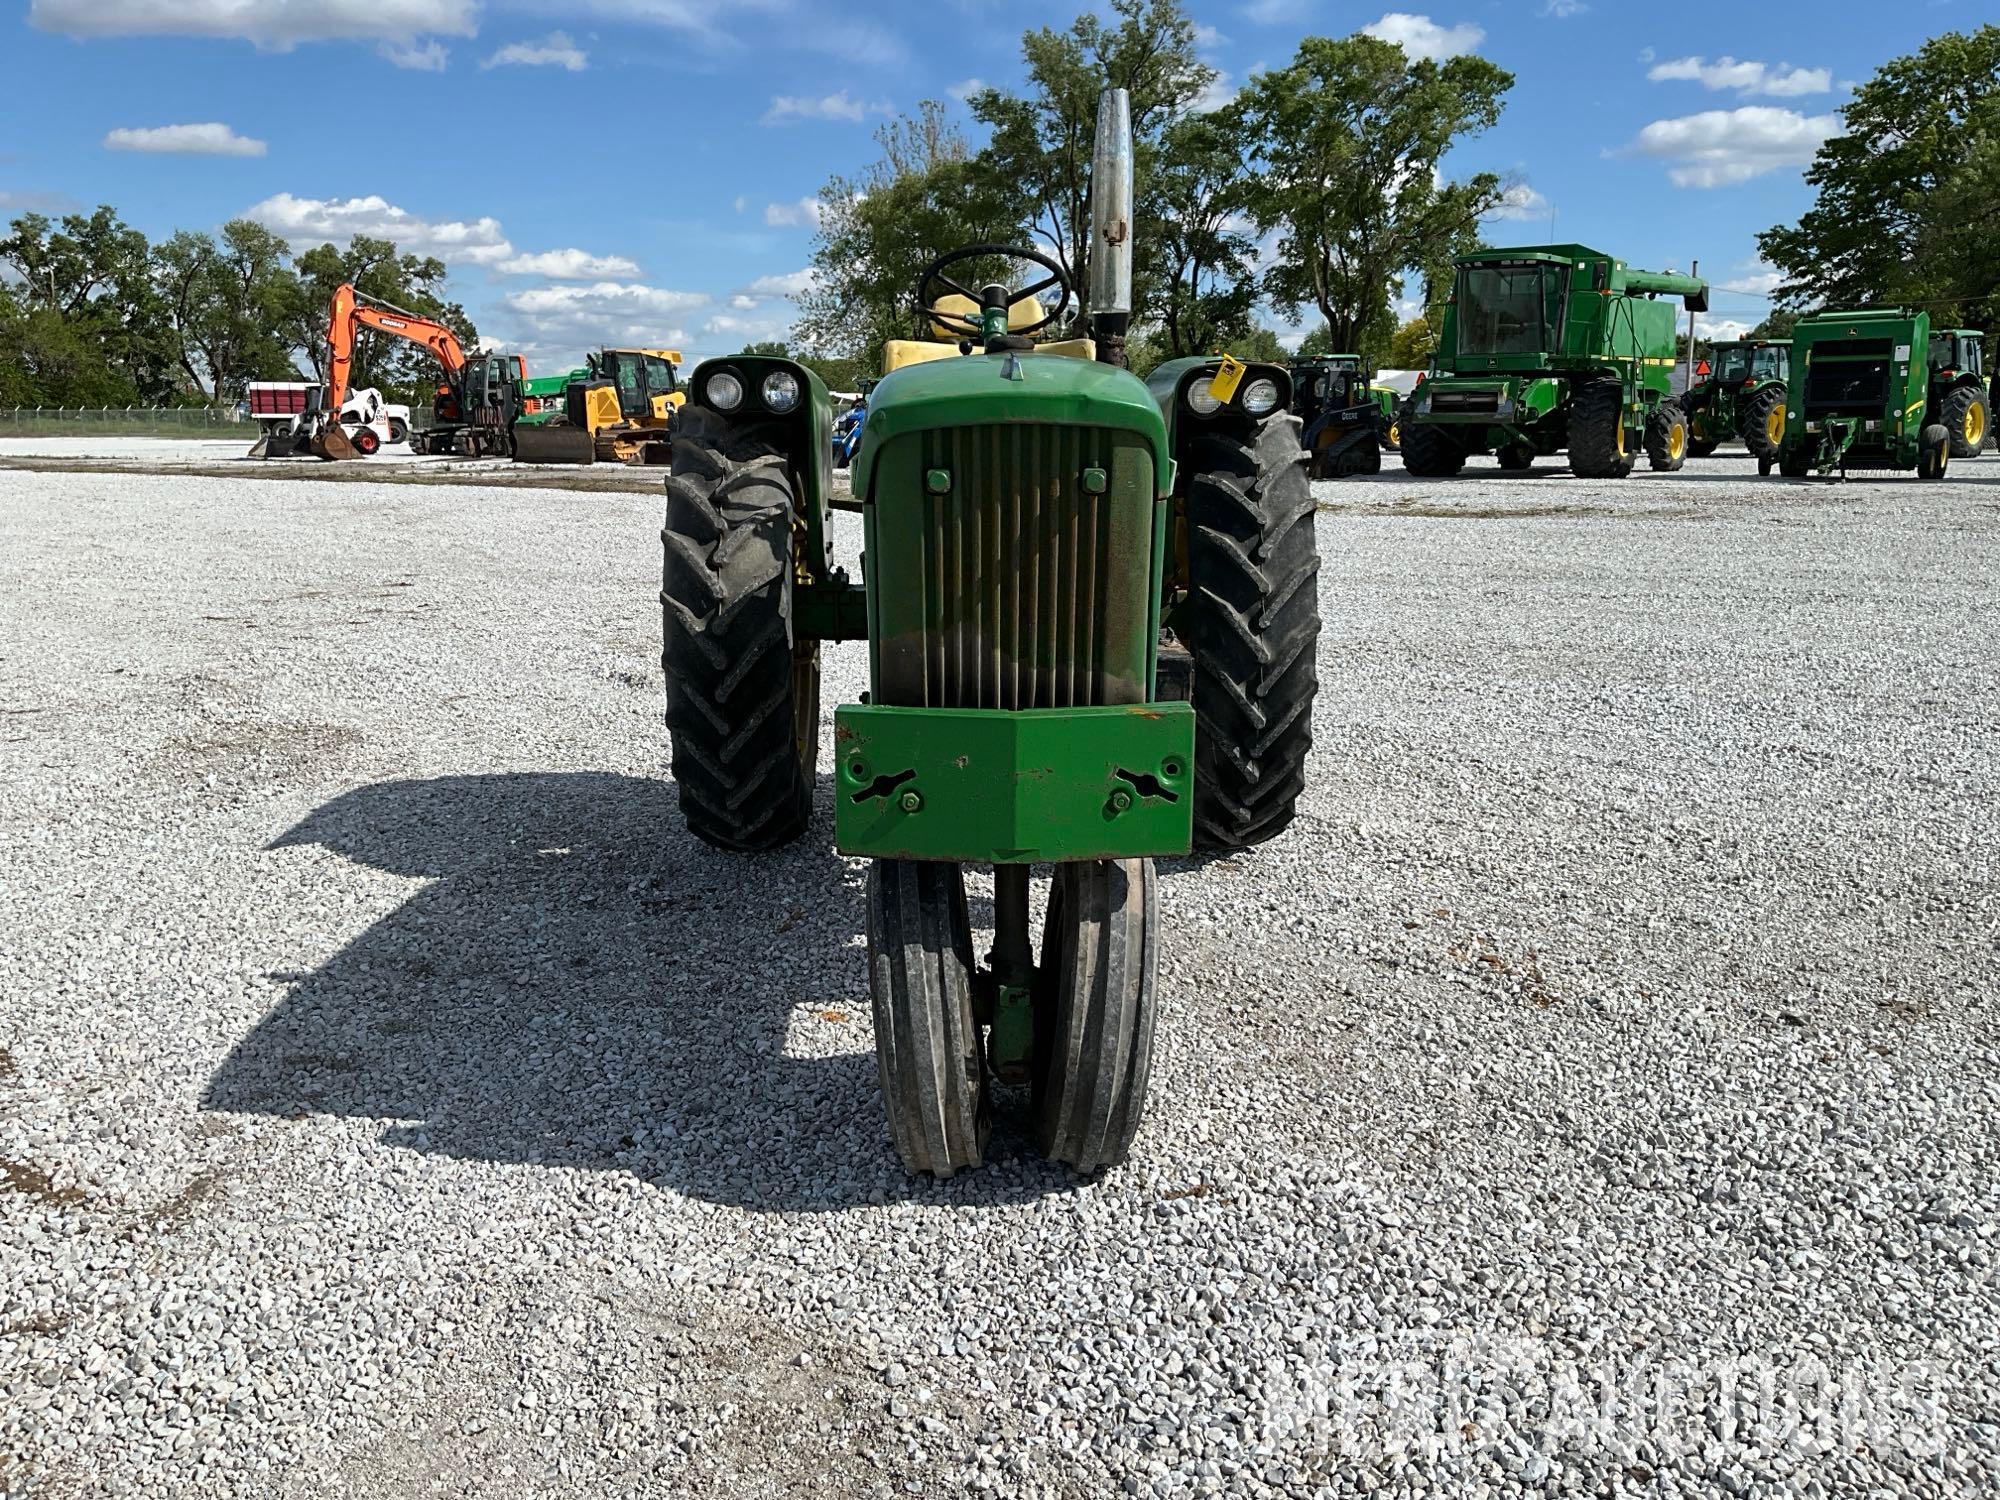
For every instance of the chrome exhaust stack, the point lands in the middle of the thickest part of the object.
(1111, 227)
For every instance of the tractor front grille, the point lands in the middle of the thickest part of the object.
(1024, 587)
(1485, 403)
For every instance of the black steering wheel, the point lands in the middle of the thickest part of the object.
(935, 283)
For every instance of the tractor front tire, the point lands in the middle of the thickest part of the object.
(1251, 621)
(1968, 419)
(1933, 451)
(1666, 437)
(1094, 1011)
(742, 692)
(927, 1050)
(1516, 458)
(1597, 447)
(1763, 430)
(1429, 451)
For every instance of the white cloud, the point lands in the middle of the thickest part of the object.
(1713, 329)
(309, 220)
(1420, 36)
(791, 284)
(430, 57)
(1723, 146)
(186, 140)
(745, 330)
(1562, 10)
(840, 106)
(623, 314)
(742, 202)
(1757, 280)
(278, 25)
(794, 215)
(965, 88)
(570, 265)
(1208, 36)
(1520, 202)
(555, 50)
(1783, 82)
(1275, 12)
(1220, 91)
(742, 302)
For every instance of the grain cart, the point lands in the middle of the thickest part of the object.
(1548, 347)
(1958, 397)
(1342, 416)
(1863, 396)
(1035, 518)
(1743, 397)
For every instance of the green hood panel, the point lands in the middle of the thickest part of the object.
(981, 390)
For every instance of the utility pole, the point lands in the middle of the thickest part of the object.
(1694, 269)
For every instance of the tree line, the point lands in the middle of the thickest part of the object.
(92, 314)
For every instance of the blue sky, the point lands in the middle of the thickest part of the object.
(635, 171)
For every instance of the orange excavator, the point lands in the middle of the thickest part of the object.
(476, 402)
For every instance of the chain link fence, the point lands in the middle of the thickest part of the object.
(121, 421)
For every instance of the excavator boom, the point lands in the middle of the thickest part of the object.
(352, 311)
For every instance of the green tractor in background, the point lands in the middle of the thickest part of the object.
(1743, 397)
(1865, 396)
(1958, 396)
(1548, 347)
(1091, 609)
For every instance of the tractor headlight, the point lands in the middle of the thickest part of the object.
(1259, 396)
(724, 390)
(1201, 396)
(781, 390)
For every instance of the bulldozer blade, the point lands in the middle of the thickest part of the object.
(548, 443)
(333, 443)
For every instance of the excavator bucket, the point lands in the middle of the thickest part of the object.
(333, 443)
(261, 447)
(553, 443)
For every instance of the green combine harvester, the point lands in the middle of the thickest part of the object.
(1091, 608)
(1743, 397)
(1870, 395)
(1553, 347)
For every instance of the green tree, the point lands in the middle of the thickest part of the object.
(1260, 344)
(879, 230)
(1909, 194)
(226, 303)
(1206, 265)
(1316, 344)
(1411, 347)
(1778, 325)
(1042, 142)
(1348, 139)
(91, 324)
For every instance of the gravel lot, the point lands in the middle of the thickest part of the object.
(395, 1102)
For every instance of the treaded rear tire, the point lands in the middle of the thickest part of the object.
(1663, 453)
(1756, 429)
(1429, 452)
(1095, 1008)
(1933, 451)
(1597, 447)
(927, 1051)
(1251, 620)
(742, 695)
(1954, 411)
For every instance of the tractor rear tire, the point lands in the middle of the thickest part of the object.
(742, 692)
(1429, 452)
(1968, 419)
(1763, 430)
(1516, 458)
(1094, 1011)
(927, 1050)
(1597, 446)
(1933, 451)
(1666, 438)
(1251, 621)
(1701, 447)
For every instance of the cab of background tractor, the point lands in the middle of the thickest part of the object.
(1039, 529)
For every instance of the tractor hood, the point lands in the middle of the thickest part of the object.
(978, 390)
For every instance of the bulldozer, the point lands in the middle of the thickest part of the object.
(1090, 605)
(1869, 397)
(1553, 347)
(1743, 397)
(618, 409)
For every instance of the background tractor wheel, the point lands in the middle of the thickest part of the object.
(1701, 447)
(1429, 452)
(399, 432)
(1516, 458)
(1968, 419)
(1597, 448)
(1795, 462)
(1251, 620)
(367, 442)
(1666, 437)
(1094, 1010)
(1763, 430)
(1933, 451)
(742, 694)
(926, 1040)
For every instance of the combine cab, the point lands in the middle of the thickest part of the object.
(1744, 397)
(1553, 347)
(1090, 604)
(1864, 397)
(620, 409)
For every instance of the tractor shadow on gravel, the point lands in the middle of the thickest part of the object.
(578, 983)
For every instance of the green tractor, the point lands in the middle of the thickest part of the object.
(1091, 609)
(1743, 397)
(1548, 347)
(1866, 396)
(1958, 396)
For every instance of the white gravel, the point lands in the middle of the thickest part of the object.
(394, 1101)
